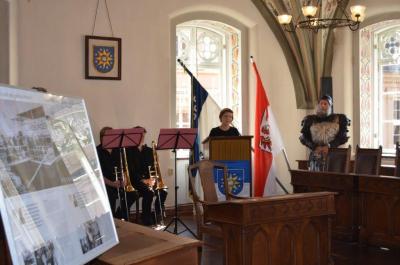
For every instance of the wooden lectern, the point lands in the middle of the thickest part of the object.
(276, 230)
(228, 148)
(233, 151)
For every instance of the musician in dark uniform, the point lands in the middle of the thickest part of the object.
(139, 160)
(226, 128)
(109, 159)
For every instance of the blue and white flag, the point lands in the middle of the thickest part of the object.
(205, 115)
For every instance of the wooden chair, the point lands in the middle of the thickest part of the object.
(368, 160)
(338, 160)
(397, 161)
(206, 173)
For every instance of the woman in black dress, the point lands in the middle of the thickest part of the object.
(226, 128)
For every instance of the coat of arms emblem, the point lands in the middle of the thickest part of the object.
(103, 58)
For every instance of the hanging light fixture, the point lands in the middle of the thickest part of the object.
(309, 20)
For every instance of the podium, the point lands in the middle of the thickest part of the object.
(235, 153)
(276, 230)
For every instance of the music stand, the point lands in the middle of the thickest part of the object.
(176, 139)
(120, 139)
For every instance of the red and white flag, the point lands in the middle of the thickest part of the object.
(268, 143)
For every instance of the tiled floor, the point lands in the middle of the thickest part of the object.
(343, 253)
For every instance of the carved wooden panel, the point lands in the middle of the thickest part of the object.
(345, 222)
(286, 245)
(229, 148)
(261, 243)
(367, 207)
(380, 211)
(281, 230)
(311, 243)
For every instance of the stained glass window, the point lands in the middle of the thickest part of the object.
(380, 85)
(211, 50)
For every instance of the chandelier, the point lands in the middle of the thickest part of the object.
(309, 20)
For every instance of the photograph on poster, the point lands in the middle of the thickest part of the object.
(42, 255)
(28, 257)
(91, 236)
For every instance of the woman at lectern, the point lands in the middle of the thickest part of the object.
(226, 128)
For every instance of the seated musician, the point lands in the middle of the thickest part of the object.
(109, 159)
(323, 130)
(139, 160)
(226, 128)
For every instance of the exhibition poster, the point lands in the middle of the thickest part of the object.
(52, 198)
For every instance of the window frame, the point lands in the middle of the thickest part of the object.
(245, 67)
(222, 67)
(373, 126)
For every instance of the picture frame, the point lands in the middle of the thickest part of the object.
(102, 58)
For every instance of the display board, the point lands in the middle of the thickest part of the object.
(52, 198)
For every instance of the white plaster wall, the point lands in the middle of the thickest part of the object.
(13, 42)
(4, 42)
(376, 8)
(51, 54)
(342, 76)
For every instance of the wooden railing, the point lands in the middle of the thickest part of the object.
(367, 207)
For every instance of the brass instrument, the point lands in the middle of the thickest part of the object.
(123, 203)
(117, 179)
(157, 172)
(159, 185)
(128, 187)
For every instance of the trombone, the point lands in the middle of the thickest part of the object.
(128, 187)
(123, 177)
(159, 185)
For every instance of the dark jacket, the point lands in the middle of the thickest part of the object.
(313, 122)
(218, 132)
(138, 163)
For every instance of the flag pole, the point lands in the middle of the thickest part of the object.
(251, 59)
(286, 159)
(288, 166)
(184, 67)
(191, 155)
(281, 185)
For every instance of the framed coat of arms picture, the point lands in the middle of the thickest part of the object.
(102, 58)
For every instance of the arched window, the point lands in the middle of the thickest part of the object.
(212, 52)
(380, 85)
